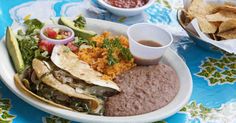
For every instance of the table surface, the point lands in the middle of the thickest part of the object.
(213, 73)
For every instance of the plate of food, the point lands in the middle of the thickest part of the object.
(85, 70)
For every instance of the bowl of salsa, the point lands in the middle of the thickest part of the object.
(57, 34)
(126, 7)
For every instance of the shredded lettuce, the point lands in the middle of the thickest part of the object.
(28, 41)
(32, 25)
(28, 45)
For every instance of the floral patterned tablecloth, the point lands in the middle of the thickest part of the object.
(214, 73)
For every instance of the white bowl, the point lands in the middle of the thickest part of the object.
(57, 41)
(125, 11)
(150, 32)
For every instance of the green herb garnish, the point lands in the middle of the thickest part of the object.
(80, 22)
(115, 44)
(111, 59)
(125, 53)
(106, 43)
(109, 46)
(79, 41)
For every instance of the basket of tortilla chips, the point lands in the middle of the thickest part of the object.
(210, 24)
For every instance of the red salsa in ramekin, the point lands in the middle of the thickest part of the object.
(57, 34)
(127, 3)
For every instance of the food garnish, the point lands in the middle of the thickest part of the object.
(113, 44)
(14, 50)
(28, 41)
(56, 33)
(80, 22)
(77, 27)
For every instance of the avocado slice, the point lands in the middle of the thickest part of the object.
(14, 50)
(79, 32)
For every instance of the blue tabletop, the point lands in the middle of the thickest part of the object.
(213, 73)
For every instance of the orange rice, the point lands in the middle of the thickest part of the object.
(97, 57)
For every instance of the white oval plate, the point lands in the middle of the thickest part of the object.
(170, 58)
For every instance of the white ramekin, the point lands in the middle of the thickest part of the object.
(125, 11)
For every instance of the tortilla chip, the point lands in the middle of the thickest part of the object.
(229, 8)
(185, 18)
(221, 16)
(214, 37)
(205, 26)
(217, 24)
(199, 8)
(227, 25)
(218, 21)
(231, 34)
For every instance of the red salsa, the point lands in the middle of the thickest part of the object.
(127, 3)
(56, 33)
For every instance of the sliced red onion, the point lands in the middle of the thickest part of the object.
(56, 41)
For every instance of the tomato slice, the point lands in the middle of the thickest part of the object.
(51, 33)
(46, 46)
(72, 47)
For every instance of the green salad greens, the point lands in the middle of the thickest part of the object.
(28, 41)
(33, 25)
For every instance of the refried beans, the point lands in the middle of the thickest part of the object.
(127, 3)
(143, 89)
